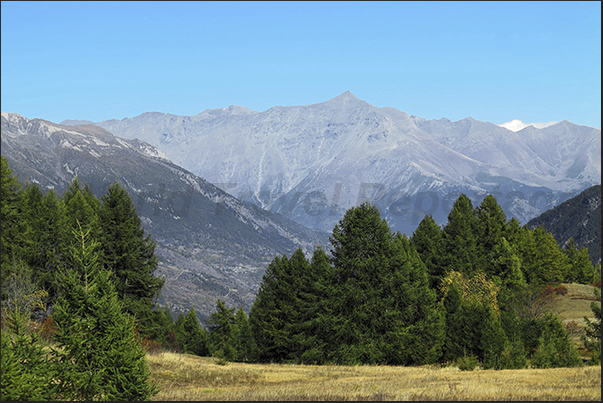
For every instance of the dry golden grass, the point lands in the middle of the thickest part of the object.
(188, 377)
(575, 305)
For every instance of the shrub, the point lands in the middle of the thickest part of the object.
(467, 362)
(513, 356)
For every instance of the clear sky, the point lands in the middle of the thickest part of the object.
(493, 61)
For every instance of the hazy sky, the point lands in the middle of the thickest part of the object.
(493, 61)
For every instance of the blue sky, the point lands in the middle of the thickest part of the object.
(493, 61)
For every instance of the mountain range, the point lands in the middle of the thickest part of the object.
(209, 244)
(311, 163)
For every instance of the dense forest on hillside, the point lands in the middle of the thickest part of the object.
(79, 292)
(576, 220)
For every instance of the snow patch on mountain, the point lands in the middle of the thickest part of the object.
(516, 125)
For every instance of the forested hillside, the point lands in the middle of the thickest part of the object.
(578, 218)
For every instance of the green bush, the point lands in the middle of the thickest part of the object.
(467, 362)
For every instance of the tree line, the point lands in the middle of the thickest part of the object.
(476, 291)
(467, 292)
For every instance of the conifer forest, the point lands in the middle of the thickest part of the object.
(79, 297)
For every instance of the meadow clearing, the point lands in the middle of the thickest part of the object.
(188, 378)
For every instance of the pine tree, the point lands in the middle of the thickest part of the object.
(221, 329)
(131, 256)
(314, 309)
(421, 334)
(491, 225)
(582, 270)
(28, 373)
(245, 348)
(459, 237)
(361, 246)
(80, 210)
(11, 221)
(427, 240)
(507, 265)
(275, 311)
(555, 349)
(193, 338)
(100, 355)
(383, 311)
(551, 264)
(42, 214)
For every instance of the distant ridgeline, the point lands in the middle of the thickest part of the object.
(578, 218)
(470, 291)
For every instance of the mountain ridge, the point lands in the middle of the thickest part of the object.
(312, 162)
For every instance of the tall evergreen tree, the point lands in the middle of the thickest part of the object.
(100, 355)
(381, 301)
(80, 211)
(460, 238)
(130, 253)
(314, 309)
(275, 315)
(42, 213)
(245, 348)
(11, 222)
(361, 246)
(551, 264)
(491, 225)
(582, 269)
(507, 265)
(221, 332)
(422, 322)
(193, 338)
(427, 241)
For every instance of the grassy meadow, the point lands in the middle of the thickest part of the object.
(187, 377)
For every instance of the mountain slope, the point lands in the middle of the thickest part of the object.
(578, 218)
(210, 245)
(313, 162)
